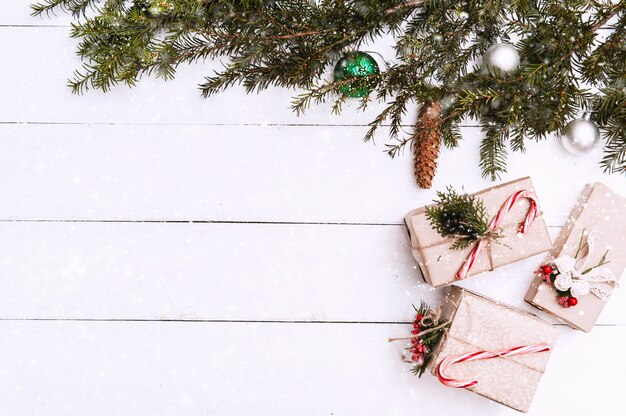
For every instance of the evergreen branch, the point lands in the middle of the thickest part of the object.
(403, 6)
(460, 216)
(293, 43)
(75, 7)
(493, 152)
(450, 133)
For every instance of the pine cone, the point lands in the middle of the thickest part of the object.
(426, 142)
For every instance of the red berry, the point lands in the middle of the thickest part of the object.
(414, 357)
(416, 325)
(415, 332)
(414, 341)
(547, 269)
(419, 317)
(572, 301)
(563, 301)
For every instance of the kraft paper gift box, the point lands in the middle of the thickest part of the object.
(439, 263)
(482, 324)
(598, 211)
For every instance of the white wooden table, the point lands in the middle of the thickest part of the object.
(162, 254)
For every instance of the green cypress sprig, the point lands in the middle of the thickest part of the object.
(462, 217)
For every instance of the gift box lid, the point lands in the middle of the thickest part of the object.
(439, 263)
(491, 325)
(601, 211)
(482, 324)
(598, 211)
(422, 234)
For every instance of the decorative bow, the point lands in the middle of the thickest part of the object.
(576, 276)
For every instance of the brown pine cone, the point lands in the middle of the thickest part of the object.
(426, 142)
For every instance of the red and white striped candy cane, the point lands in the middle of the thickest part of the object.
(495, 223)
(481, 355)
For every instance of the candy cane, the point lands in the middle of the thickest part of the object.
(495, 223)
(482, 355)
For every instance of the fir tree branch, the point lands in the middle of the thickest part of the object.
(293, 43)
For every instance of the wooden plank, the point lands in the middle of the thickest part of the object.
(18, 13)
(251, 173)
(39, 92)
(244, 272)
(161, 368)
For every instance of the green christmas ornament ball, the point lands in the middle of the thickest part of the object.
(355, 65)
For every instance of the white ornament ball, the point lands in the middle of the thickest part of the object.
(580, 136)
(501, 58)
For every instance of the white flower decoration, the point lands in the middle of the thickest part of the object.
(565, 264)
(563, 281)
(580, 288)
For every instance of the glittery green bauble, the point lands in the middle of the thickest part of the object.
(353, 66)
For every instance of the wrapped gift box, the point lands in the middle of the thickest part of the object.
(599, 211)
(482, 324)
(439, 263)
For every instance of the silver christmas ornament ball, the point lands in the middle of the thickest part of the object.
(580, 136)
(501, 58)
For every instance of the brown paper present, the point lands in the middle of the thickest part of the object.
(439, 263)
(598, 211)
(482, 324)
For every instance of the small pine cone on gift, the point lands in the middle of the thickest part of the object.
(426, 143)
